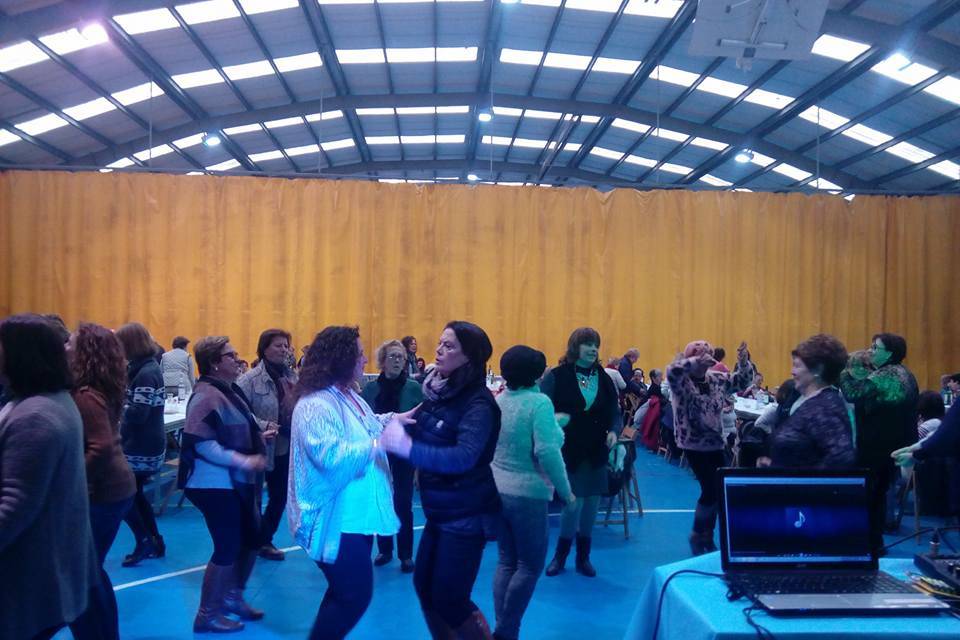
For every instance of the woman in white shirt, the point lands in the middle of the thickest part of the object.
(340, 493)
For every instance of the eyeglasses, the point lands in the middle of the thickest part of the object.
(233, 355)
(396, 356)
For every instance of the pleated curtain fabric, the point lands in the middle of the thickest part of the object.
(200, 255)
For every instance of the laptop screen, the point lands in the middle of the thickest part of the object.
(802, 519)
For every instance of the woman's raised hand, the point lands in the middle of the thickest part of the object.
(395, 438)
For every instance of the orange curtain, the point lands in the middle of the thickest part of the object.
(196, 255)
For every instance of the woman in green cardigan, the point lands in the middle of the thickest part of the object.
(394, 392)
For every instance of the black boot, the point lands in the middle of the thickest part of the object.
(439, 630)
(583, 557)
(704, 520)
(160, 547)
(145, 549)
(559, 556)
(216, 580)
(233, 601)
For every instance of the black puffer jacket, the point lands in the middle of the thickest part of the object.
(453, 444)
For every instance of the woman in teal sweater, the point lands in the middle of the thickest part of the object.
(527, 467)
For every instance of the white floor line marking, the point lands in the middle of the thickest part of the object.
(174, 574)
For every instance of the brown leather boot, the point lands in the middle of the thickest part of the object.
(233, 601)
(216, 580)
(559, 556)
(474, 628)
(439, 630)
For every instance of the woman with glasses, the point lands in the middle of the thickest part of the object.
(223, 452)
(394, 392)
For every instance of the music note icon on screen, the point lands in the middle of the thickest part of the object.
(800, 521)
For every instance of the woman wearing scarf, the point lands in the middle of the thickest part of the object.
(394, 392)
(452, 444)
(222, 453)
(580, 388)
(267, 387)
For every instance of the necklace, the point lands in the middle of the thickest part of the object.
(584, 379)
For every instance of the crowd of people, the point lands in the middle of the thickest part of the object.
(82, 433)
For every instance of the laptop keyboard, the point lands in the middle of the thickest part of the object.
(822, 583)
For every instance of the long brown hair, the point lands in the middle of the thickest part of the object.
(98, 363)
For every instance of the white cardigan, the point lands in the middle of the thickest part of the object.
(330, 449)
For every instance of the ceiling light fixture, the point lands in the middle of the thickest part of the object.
(485, 116)
(744, 156)
(94, 32)
(211, 140)
(473, 177)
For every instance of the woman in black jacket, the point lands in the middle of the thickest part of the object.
(580, 388)
(452, 444)
(142, 435)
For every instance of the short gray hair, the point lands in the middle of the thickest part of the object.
(383, 348)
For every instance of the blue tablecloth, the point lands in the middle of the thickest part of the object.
(696, 608)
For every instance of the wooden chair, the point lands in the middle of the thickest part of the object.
(168, 474)
(629, 493)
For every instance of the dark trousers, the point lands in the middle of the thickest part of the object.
(140, 517)
(447, 566)
(349, 588)
(89, 625)
(105, 519)
(883, 474)
(402, 472)
(704, 465)
(276, 497)
(232, 519)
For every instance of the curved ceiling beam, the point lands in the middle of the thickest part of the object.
(648, 118)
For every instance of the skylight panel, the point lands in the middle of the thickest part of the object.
(207, 11)
(606, 6)
(224, 166)
(947, 168)
(667, 134)
(838, 48)
(520, 56)
(189, 141)
(253, 7)
(823, 183)
(456, 54)
(391, 180)
(866, 135)
(136, 94)
(946, 89)
(707, 143)
(427, 139)
(72, 40)
(276, 154)
(382, 140)
(824, 118)
(566, 61)
(42, 124)
(454, 109)
(606, 153)
(20, 55)
(147, 21)
(630, 125)
(641, 161)
(507, 111)
(375, 111)
(715, 181)
(326, 115)
(287, 64)
(660, 9)
(425, 54)
(572, 146)
(283, 122)
(616, 65)
(244, 128)
(302, 151)
(590, 119)
(528, 143)
(416, 111)
(248, 70)
(768, 99)
(496, 140)
(721, 87)
(194, 173)
(542, 3)
(8, 138)
(457, 138)
(674, 76)
(360, 56)
(154, 152)
(762, 160)
(902, 70)
(197, 78)
(121, 163)
(791, 171)
(543, 115)
(89, 109)
(669, 167)
(909, 152)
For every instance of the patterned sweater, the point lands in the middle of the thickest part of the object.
(818, 434)
(698, 404)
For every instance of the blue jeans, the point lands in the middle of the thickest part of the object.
(523, 552)
(447, 566)
(349, 588)
(105, 519)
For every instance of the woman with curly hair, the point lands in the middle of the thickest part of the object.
(99, 373)
(340, 494)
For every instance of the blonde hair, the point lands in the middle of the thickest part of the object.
(383, 348)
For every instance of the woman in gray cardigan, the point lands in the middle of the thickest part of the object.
(47, 559)
(527, 467)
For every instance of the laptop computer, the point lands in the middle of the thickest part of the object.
(798, 541)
